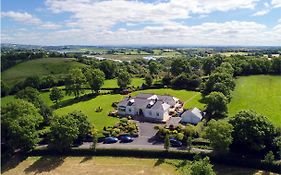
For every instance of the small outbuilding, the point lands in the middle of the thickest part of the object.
(193, 116)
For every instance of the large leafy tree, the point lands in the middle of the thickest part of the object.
(32, 95)
(20, 120)
(74, 82)
(148, 80)
(252, 131)
(202, 167)
(95, 78)
(179, 66)
(56, 95)
(224, 78)
(154, 67)
(33, 81)
(123, 79)
(216, 105)
(81, 122)
(63, 131)
(219, 134)
(109, 68)
(48, 81)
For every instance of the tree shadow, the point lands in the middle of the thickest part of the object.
(45, 164)
(72, 101)
(159, 162)
(86, 158)
(11, 162)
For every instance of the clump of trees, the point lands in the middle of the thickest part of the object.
(74, 82)
(20, 121)
(124, 79)
(64, 130)
(56, 95)
(252, 132)
(219, 133)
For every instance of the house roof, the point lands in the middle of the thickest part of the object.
(152, 101)
(160, 105)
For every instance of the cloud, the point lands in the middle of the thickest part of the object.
(103, 15)
(276, 3)
(27, 18)
(169, 33)
(261, 12)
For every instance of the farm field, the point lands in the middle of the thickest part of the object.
(39, 67)
(112, 165)
(261, 93)
(99, 119)
(191, 98)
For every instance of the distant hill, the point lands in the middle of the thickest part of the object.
(39, 67)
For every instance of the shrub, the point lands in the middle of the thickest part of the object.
(269, 157)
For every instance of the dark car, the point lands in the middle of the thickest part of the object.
(110, 140)
(126, 139)
(175, 143)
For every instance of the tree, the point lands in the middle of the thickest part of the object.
(251, 131)
(109, 68)
(81, 122)
(32, 95)
(276, 65)
(148, 80)
(154, 67)
(269, 157)
(208, 65)
(33, 81)
(56, 95)
(179, 66)
(20, 120)
(95, 78)
(74, 82)
(48, 81)
(223, 78)
(63, 131)
(167, 143)
(219, 134)
(202, 167)
(216, 105)
(95, 138)
(123, 79)
(189, 143)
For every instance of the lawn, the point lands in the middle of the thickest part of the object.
(39, 67)
(99, 119)
(191, 98)
(111, 165)
(261, 93)
(113, 83)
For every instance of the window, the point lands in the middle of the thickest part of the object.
(157, 113)
(130, 110)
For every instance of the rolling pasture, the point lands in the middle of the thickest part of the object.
(40, 67)
(261, 93)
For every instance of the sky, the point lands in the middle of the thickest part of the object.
(142, 22)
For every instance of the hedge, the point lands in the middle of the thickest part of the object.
(227, 159)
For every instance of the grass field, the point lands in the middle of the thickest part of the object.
(112, 166)
(99, 119)
(40, 67)
(113, 83)
(261, 93)
(191, 98)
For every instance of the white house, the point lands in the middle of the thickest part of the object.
(152, 106)
(193, 116)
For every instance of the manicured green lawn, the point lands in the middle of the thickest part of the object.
(113, 83)
(99, 119)
(191, 98)
(261, 93)
(39, 67)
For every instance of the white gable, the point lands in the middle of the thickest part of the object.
(193, 116)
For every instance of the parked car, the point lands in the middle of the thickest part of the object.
(126, 139)
(175, 142)
(110, 140)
